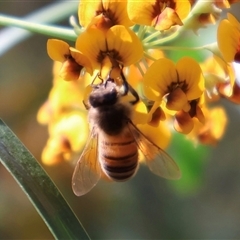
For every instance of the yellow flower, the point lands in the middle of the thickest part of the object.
(235, 96)
(158, 13)
(73, 61)
(119, 44)
(63, 97)
(228, 37)
(140, 113)
(160, 135)
(103, 13)
(213, 129)
(177, 84)
(67, 138)
(134, 76)
(219, 77)
(66, 118)
(180, 86)
(184, 121)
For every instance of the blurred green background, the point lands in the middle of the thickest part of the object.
(205, 204)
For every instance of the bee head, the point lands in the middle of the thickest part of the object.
(103, 94)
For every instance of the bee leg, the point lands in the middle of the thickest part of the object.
(86, 105)
(109, 79)
(129, 88)
(125, 85)
(134, 93)
(98, 75)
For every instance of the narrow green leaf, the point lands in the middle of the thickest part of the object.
(53, 31)
(39, 188)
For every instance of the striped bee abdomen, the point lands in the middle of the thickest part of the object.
(118, 156)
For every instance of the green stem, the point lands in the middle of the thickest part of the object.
(58, 32)
(145, 63)
(146, 55)
(151, 36)
(159, 42)
(38, 187)
(179, 48)
(141, 31)
(139, 68)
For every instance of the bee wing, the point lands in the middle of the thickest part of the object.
(158, 161)
(88, 170)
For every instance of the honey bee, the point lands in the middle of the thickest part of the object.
(114, 141)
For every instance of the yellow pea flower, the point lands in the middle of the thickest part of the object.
(67, 138)
(119, 44)
(228, 37)
(157, 13)
(73, 61)
(103, 13)
(177, 84)
(213, 129)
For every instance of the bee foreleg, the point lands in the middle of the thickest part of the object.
(134, 93)
(129, 88)
(86, 105)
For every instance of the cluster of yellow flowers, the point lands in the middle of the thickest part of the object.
(128, 38)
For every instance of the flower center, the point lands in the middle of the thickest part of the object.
(113, 55)
(179, 84)
(159, 6)
(108, 18)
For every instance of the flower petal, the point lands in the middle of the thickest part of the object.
(70, 70)
(199, 115)
(158, 77)
(160, 135)
(87, 11)
(183, 123)
(118, 8)
(113, 12)
(57, 49)
(234, 22)
(176, 100)
(183, 8)
(167, 19)
(140, 114)
(141, 11)
(228, 36)
(91, 43)
(126, 43)
(157, 116)
(190, 72)
(81, 59)
(152, 111)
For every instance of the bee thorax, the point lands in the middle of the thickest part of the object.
(110, 119)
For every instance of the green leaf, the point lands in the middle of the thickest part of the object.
(39, 188)
(53, 31)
